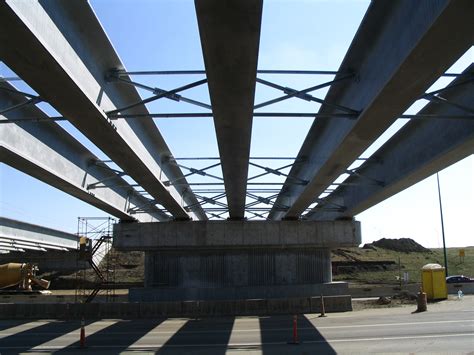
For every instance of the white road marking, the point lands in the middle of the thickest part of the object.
(74, 336)
(396, 338)
(21, 328)
(176, 325)
(241, 325)
(281, 329)
(253, 344)
(395, 324)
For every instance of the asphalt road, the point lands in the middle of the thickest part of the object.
(447, 327)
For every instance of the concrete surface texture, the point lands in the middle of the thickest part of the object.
(235, 259)
(236, 234)
(230, 36)
(157, 294)
(237, 274)
(238, 268)
(447, 327)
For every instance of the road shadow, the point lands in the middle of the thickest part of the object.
(278, 338)
(119, 335)
(25, 340)
(7, 324)
(208, 335)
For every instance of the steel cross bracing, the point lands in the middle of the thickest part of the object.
(27, 99)
(402, 160)
(262, 199)
(212, 196)
(355, 106)
(75, 52)
(386, 54)
(47, 152)
(350, 113)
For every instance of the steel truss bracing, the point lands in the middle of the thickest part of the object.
(380, 92)
(402, 161)
(150, 182)
(47, 152)
(74, 35)
(213, 200)
(28, 99)
(349, 113)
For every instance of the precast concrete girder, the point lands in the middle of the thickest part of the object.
(60, 49)
(400, 49)
(418, 150)
(230, 35)
(27, 233)
(47, 152)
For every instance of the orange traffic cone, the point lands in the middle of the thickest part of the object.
(83, 334)
(295, 331)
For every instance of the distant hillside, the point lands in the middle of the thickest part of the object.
(375, 263)
(378, 262)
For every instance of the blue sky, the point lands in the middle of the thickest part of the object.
(163, 35)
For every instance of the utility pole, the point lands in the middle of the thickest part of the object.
(399, 272)
(442, 227)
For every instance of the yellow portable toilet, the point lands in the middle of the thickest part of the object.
(434, 282)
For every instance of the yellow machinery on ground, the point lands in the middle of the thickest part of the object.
(21, 274)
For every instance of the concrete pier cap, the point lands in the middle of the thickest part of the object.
(237, 260)
(236, 235)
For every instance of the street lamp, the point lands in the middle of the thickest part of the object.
(442, 227)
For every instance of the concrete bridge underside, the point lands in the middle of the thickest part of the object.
(401, 48)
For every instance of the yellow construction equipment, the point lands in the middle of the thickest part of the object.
(21, 274)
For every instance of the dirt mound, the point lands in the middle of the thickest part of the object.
(405, 245)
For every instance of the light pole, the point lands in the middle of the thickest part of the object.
(442, 227)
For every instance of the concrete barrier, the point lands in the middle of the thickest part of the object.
(53, 298)
(159, 294)
(466, 288)
(388, 291)
(192, 309)
(382, 291)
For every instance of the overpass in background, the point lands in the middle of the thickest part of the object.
(400, 49)
(50, 249)
(17, 236)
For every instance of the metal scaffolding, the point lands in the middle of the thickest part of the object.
(95, 259)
